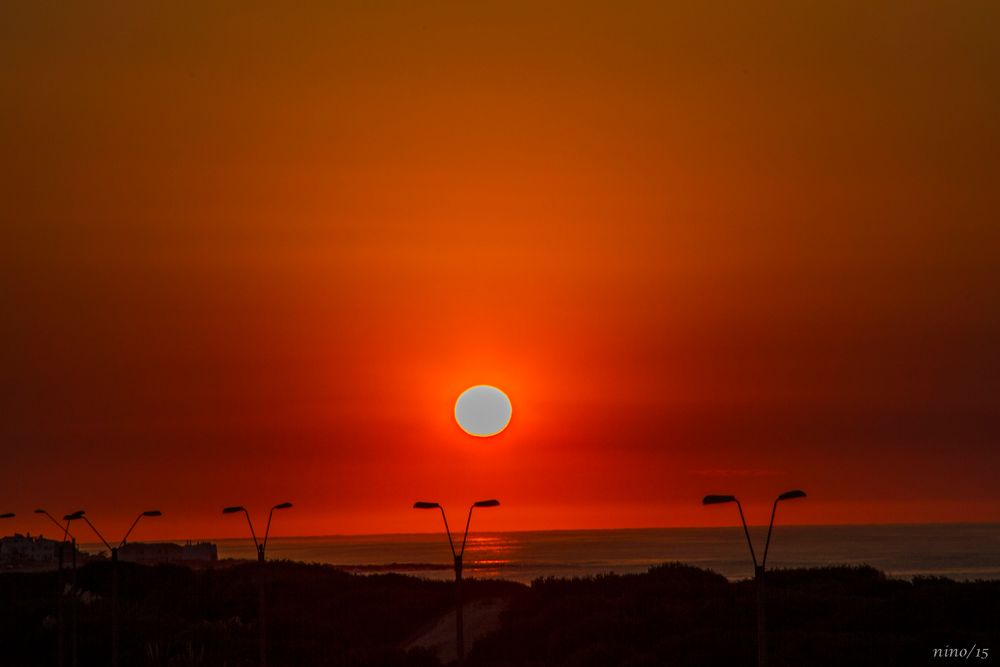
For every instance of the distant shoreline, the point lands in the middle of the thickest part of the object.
(963, 552)
(783, 527)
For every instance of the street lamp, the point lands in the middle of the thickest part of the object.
(7, 515)
(60, 556)
(114, 576)
(69, 518)
(59, 582)
(459, 627)
(758, 570)
(787, 495)
(260, 549)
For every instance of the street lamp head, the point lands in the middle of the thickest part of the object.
(422, 505)
(282, 506)
(74, 516)
(40, 512)
(716, 500)
(152, 513)
(7, 515)
(487, 503)
(790, 495)
(233, 509)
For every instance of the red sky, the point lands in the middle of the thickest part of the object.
(251, 254)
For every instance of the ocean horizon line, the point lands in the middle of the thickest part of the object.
(928, 524)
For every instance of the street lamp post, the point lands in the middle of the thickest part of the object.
(459, 625)
(758, 570)
(59, 583)
(114, 577)
(260, 548)
(73, 620)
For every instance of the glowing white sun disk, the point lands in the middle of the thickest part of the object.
(483, 410)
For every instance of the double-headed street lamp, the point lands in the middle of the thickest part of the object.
(59, 578)
(459, 628)
(114, 576)
(260, 548)
(114, 549)
(69, 518)
(60, 558)
(758, 570)
(66, 533)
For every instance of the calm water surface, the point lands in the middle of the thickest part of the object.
(958, 551)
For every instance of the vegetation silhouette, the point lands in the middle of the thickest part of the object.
(672, 615)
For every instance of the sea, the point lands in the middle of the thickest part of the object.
(957, 551)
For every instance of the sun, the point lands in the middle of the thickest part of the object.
(483, 411)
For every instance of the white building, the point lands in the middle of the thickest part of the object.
(25, 550)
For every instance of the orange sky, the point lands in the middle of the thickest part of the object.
(251, 254)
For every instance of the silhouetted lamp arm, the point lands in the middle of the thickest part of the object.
(267, 529)
(468, 521)
(746, 532)
(52, 519)
(715, 499)
(132, 527)
(240, 508)
(787, 495)
(98, 533)
(425, 505)
(68, 518)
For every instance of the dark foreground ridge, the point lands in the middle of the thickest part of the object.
(672, 615)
